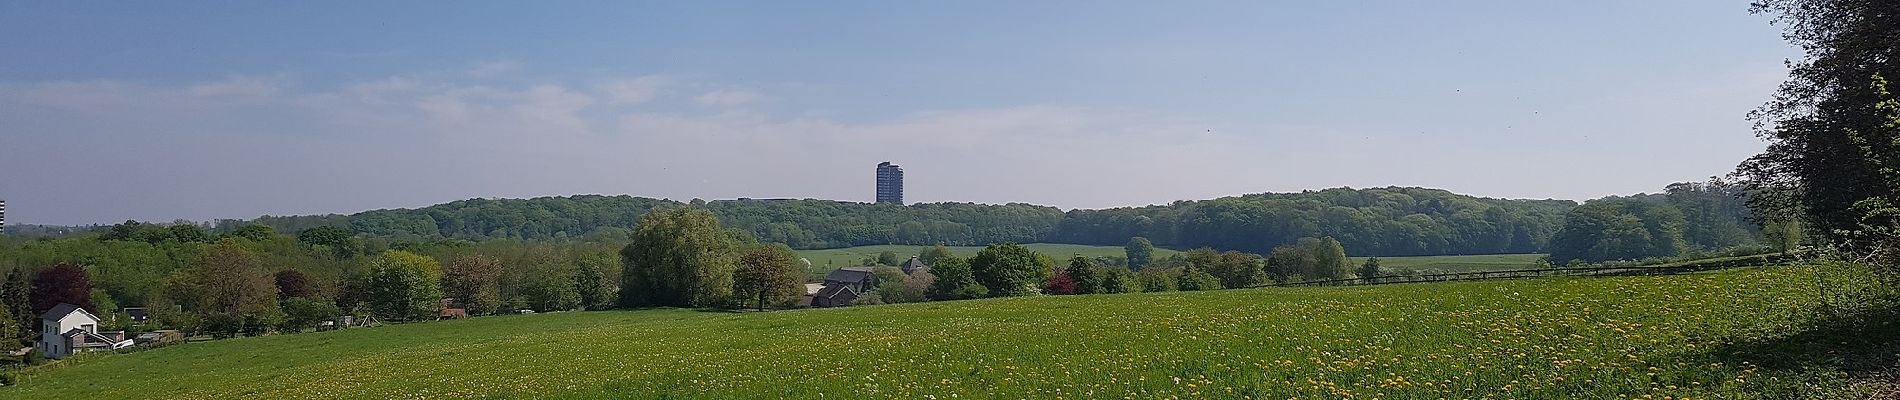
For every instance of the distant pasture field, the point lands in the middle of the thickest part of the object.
(1755, 333)
(1473, 263)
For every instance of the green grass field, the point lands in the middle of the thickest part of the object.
(1487, 262)
(1749, 333)
(829, 259)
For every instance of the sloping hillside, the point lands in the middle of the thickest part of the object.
(1373, 221)
(1752, 333)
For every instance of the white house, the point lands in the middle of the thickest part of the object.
(69, 329)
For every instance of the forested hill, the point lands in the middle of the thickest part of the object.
(1391, 221)
(1381, 221)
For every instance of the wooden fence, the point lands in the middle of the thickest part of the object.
(1658, 269)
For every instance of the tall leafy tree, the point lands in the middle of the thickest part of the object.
(1154, 279)
(1088, 277)
(1193, 278)
(1715, 214)
(293, 283)
(188, 233)
(592, 280)
(10, 326)
(1008, 269)
(1618, 229)
(769, 275)
(1370, 269)
(1234, 269)
(679, 257)
(954, 280)
(1120, 280)
(63, 283)
(1309, 258)
(1333, 263)
(227, 283)
(16, 296)
(549, 292)
(304, 313)
(403, 285)
(254, 232)
(1830, 141)
(1140, 252)
(475, 281)
(339, 241)
(930, 255)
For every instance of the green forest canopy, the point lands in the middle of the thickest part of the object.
(1380, 221)
(1392, 221)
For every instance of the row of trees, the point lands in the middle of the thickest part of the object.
(1012, 270)
(252, 279)
(1687, 219)
(1377, 221)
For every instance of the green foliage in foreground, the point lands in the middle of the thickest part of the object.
(1752, 333)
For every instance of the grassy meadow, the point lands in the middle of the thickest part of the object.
(1486, 262)
(1749, 333)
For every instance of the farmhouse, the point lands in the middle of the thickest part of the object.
(834, 296)
(911, 267)
(70, 329)
(844, 285)
(137, 313)
(859, 279)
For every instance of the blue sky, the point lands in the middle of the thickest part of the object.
(233, 110)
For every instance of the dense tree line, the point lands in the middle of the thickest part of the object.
(1379, 221)
(253, 279)
(1687, 219)
(1833, 129)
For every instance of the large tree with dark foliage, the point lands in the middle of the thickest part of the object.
(1139, 251)
(1831, 128)
(63, 283)
(294, 284)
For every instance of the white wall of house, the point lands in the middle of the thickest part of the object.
(52, 345)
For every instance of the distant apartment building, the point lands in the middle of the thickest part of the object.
(890, 183)
(3, 216)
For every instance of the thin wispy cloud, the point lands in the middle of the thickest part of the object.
(727, 98)
(1114, 106)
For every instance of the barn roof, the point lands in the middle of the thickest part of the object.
(914, 265)
(837, 291)
(849, 274)
(61, 310)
